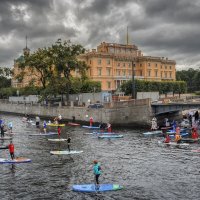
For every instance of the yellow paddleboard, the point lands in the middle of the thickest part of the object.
(55, 124)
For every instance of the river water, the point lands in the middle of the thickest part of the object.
(146, 170)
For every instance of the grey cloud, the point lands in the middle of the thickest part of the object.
(167, 28)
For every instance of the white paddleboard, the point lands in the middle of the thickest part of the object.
(57, 140)
(6, 138)
(65, 152)
(173, 144)
(17, 160)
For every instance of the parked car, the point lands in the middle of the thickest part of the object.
(96, 105)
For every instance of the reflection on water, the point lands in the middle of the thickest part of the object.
(146, 170)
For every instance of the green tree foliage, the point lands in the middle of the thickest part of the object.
(6, 92)
(152, 86)
(191, 77)
(5, 74)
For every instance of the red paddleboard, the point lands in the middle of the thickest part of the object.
(73, 124)
(196, 150)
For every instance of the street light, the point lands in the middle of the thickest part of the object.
(133, 81)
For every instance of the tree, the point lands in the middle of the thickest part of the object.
(64, 57)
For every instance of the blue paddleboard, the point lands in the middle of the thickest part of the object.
(91, 127)
(43, 134)
(92, 188)
(182, 135)
(17, 160)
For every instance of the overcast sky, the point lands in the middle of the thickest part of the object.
(165, 28)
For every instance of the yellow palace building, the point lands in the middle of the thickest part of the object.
(112, 64)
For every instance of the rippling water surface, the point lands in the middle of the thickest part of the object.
(146, 170)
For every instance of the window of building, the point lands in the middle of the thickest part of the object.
(99, 71)
(118, 64)
(149, 73)
(140, 72)
(124, 64)
(130, 72)
(129, 64)
(161, 66)
(108, 71)
(90, 62)
(161, 74)
(156, 73)
(140, 64)
(156, 65)
(170, 67)
(165, 74)
(99, 61)
(170, 74)
(108, 84)
(149, 64)
(108, 61)
(124, 72)
(118, 72)
(165, 66)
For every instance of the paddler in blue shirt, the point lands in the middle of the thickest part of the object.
(45, 126)
(97, 173)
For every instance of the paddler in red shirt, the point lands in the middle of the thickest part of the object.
(194, 133)
(59, 131)
(91, 121)
(167, 139)
(11, 150)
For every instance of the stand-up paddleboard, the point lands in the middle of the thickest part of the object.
(101, 133)
(110, 136)
(55, 125)
(196, 150)
(3, 147)
(173, 144)
(91, 127)
(72, 124)
(6, 138)
(181, 134)
(151, 133)
(43, 134)
(57, 140)
(65, 152)
(7, 133)
(190, 140)
(93, 188)
(16, 160)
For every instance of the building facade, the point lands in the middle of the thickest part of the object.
(112, 64)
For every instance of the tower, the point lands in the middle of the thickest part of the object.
(26, 50)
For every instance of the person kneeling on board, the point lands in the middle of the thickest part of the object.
(167, 139)
(97, 173)
(178, 136)
(11, 150)
(194, 133)
(109, 128)
(154, 125)
(68, 143)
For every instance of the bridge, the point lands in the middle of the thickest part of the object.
(161, 108)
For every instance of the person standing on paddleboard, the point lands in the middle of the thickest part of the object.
(37, 121)
(2, 130)
(91, 121)
(10, 126)
(97, 172)
(68, 143)
(45, 126)
(59, 131)
(109, 128)
(11, 150)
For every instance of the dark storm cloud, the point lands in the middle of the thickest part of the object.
(168, 28)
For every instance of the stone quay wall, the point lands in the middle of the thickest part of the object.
(126, 113)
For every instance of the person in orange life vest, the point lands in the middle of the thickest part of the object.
(59, 131)
(177, 135)
(91, 121)
(167, 139)
(109, 127)
(194, 133)
(11, 150)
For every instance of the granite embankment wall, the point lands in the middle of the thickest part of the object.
(128, 113)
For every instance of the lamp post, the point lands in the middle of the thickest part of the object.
(133, 80)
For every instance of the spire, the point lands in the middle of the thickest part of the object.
(26, 49)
